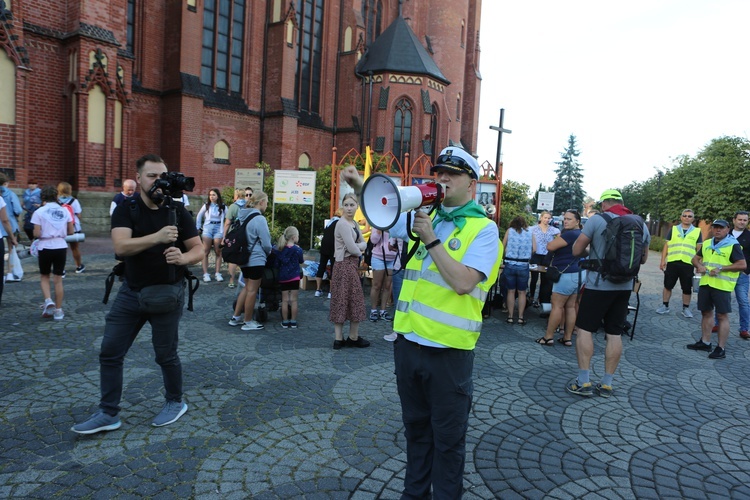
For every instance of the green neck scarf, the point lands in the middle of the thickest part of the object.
(459, 215)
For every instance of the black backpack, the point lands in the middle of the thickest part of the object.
(234, 245)
(623, 248)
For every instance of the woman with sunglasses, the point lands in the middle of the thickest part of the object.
(565, 291)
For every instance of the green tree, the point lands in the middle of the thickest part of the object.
(515, 199)
(568, 185)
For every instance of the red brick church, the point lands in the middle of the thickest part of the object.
(86, 87)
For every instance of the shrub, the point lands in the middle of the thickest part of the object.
(657, 243)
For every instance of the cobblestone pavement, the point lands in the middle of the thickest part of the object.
(280, 414)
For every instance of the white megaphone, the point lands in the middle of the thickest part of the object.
(383, 200)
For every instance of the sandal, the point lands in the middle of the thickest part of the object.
(509, 321)
(521, 321)
(545, 342)
(566, 342)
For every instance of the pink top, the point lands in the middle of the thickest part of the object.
(380, 246)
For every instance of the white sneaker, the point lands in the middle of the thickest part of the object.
(218, 277)
(10, 278)
(48, 308)
(59, 314)
(252, 325)
(206, 278)
(686, 312)
(390, 337)
(662, 309)
(318, 293)
(236, 321)
(329, 295)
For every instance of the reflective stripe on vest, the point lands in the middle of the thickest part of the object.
(429, 307)
(725, 280)
(682, 249)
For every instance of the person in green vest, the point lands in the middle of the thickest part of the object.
(720, 261)
(438, 321)
(677, 261)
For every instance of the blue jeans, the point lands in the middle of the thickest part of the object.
(435, 387)
(397, 281)
(741, 291)
(122, 325)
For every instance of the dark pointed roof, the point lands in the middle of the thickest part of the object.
(397, 49)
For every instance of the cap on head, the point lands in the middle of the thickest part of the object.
(457, 160)
(610, 194)
(720, 223)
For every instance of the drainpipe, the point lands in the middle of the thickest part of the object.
(263, 79)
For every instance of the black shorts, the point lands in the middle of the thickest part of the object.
(289, 286)
(52, 259)
(253, 272)
(610, 307)
(682, 271)
(709, 297)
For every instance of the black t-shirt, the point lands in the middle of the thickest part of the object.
(150, 266)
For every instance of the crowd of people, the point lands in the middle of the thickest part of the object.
(437, 286)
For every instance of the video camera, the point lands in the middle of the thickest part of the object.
(174, 183)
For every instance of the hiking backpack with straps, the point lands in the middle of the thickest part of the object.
(234, 245)
(623, 248)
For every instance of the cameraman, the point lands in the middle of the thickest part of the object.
(150, 248)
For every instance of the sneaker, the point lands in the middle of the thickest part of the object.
(170, 413)
(237, 321)
(230, 285)
(59, 314)
(385, 316)
(284, 324)
(718, 353)
(292, 324)
(699, 346)
(12, 278)
(318, 293)
(745, 335)
(97, 422)
(338, 344)
(374, 316)
(360, 342)
(206, 278)
(662, 309)
(585, 390)
(329, 295)
(687, 312)
(252, 325)
(63, 275)
(218, 277)
(80, 269)
(604, 391)
(48, 308)
(391, 337)
(715, 329)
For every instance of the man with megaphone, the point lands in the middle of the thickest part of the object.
(439, 319)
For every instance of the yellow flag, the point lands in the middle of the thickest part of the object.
(359, 216)
(368, 162)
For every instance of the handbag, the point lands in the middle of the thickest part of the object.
(161, 299)
(553, 273)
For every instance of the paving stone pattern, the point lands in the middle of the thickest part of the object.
(279, 414)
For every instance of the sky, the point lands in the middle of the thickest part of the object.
(639, 83)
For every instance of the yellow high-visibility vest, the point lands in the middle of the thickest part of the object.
(680, 248)
(429, 307)
(725, 280)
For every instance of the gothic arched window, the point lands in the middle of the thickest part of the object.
(402, 129)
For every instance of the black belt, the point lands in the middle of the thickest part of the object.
(516, 260)
(214, 222)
